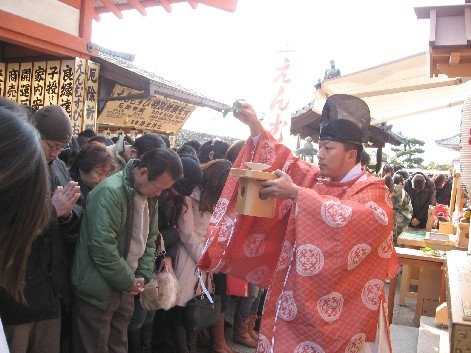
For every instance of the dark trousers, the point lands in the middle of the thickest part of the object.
(103, 331)
(39, 337)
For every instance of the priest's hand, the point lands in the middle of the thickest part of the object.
(281, 188)
(248, 116)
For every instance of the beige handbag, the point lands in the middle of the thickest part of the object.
(163, 291)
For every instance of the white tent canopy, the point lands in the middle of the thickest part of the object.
(398, 89)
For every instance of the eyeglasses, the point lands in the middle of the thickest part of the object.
(57, 149)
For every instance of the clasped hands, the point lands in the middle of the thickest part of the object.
(64, 198)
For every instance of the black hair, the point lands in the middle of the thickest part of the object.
(147, 142)
(161, 160)
(212, 149)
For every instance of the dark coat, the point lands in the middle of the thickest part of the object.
(47, 281)
(421, 200)
(444, 193)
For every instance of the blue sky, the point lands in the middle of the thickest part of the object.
(228, 56)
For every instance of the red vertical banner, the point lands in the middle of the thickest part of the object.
(279, 117)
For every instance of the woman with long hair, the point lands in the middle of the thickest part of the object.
(24, 195)
(192, 226)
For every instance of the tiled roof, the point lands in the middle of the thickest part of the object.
(452, 143)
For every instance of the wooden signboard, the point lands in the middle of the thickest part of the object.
(156, 114)
(52, 82)
(78, 95)
(13, 80)
(66, 85)
(38, 85)
(3, 74)
(91, 95)
(24, 89)
(72, 84)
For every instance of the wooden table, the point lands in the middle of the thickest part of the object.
(429, 294)
(410, 238)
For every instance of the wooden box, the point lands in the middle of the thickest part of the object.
(446, 228)
(249, 201)
(458, 266)
(440, 241)
(462, 232)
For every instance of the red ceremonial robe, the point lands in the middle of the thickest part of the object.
(323, 257)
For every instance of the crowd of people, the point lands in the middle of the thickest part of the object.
(82, 219)
(99, 206)
(413, 194)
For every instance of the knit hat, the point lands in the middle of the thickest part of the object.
(193, 176)
(345, 118)
(53, 123)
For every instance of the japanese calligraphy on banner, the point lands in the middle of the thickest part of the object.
(91, 96)
(24, 90)
(78, 95)
(66, 85)
(154, 114)
(13, 78)
(278, 117)
(72, 84)
(38, 84)
(52, 82)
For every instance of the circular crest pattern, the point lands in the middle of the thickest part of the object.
(385, 250)
(356, 343)
(330, 306)
(335, 214)
(254, 245)
(370, 295)
(227, 226)
(380, 214)
(285, 256)
(308, 347)
(258, 275)
(264, 345)
(309, 260)
(357, 254)
(287, 306)
(219, 210)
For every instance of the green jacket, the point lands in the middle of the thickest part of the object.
(99, 266)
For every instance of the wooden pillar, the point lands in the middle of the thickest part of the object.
(379, 156)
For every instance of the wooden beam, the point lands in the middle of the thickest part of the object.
(226, 5)
(112, 7)
(417, 112)
(193, 4)
(458, 70)
(21, 31)
(411, 88)
(440, 52)
(166, 5)
(137, 5)
(454, 58)
(87, 12)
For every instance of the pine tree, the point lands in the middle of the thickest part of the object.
(409, 154)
